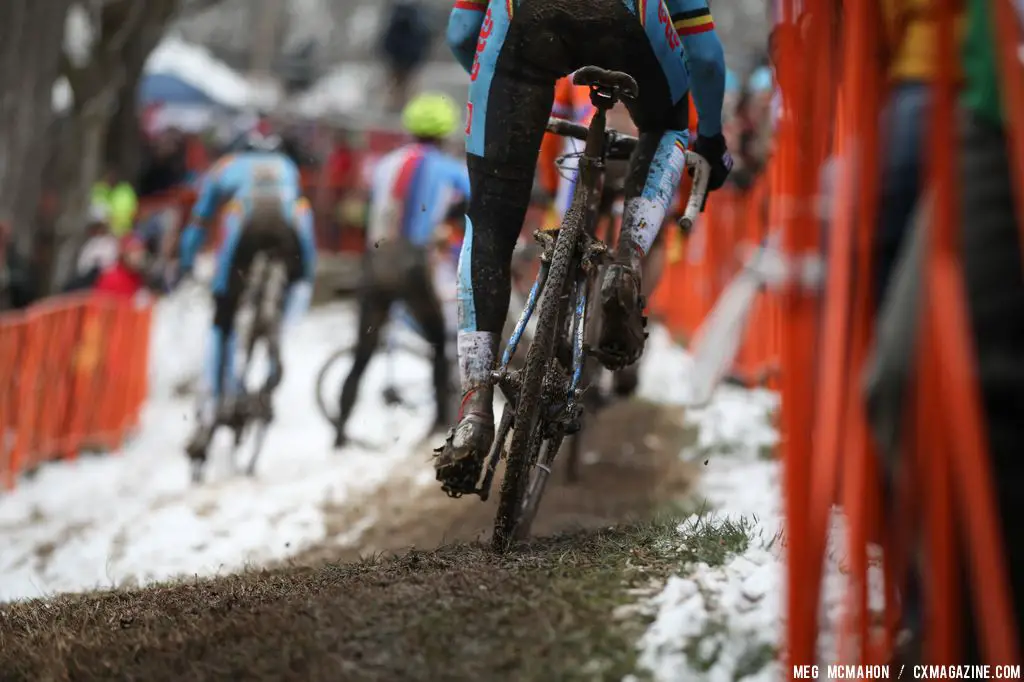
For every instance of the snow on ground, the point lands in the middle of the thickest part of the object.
(134, 517)
(727, 614)
(725, 623)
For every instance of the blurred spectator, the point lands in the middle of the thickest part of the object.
(341, 163)
(165, 170)
(911, 50)
(98, 253)
(990, 250)
(338, 179)
(164, 166)
(405, 44)
(16, 277)
(127, 276)
(197, 157)
(749, 131)
(120, 200)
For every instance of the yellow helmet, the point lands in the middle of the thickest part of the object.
(430, 115)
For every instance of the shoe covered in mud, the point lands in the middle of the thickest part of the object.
(622, 318)
(460, 460)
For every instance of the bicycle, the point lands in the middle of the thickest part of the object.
(544, 398)
(257, 323)
(396, 344)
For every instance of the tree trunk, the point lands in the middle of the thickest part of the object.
(31, 35)
(123, 152)
(105, 119)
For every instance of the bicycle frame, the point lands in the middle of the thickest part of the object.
(561, 416)
(591, 178)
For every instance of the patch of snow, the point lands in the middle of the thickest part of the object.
(721, 623)
(197, 67)
(343, 91)
(134, 517)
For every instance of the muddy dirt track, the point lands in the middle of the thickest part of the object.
(456, 613)
(630, 470)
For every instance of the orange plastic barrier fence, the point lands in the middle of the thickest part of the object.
(72, 376)
(943, 504)
(699, 268)
(944, 501)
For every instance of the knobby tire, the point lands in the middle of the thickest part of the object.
(528, 403)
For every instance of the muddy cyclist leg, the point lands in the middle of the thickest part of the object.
(219, 376)
(509, 102)
(661, 114)
(426, 309)
(374, 307)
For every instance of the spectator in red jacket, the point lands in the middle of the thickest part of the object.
(127, 277)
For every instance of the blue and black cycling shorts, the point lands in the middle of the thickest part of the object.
(522, 49)
(261, 229)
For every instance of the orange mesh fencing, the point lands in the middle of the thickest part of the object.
(699, 268)
(820, 339)
(73, 375)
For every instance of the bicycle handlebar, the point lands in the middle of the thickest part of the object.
(698, 191)
(620, 147)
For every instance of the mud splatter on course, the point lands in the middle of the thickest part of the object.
(630, 470)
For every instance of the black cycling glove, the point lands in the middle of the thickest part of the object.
(714, 152)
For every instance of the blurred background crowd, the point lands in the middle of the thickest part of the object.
(332, 96)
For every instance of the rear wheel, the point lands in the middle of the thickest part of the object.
(254, 414)
(541, 368)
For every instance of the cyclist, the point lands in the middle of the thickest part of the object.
(413, 191)
(265, 214)
(514, 53)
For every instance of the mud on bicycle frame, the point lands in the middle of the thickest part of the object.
(544, 397)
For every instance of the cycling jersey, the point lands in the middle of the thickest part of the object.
(412, 190)
(247, 178)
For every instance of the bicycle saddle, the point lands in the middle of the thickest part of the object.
(594, 76)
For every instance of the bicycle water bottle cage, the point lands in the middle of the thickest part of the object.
(606, 87)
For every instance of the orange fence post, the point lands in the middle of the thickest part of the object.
(72, 374)
(12, 333)
(1008, 35)
(949, 354)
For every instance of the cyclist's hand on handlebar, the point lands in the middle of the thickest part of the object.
(715, 153)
